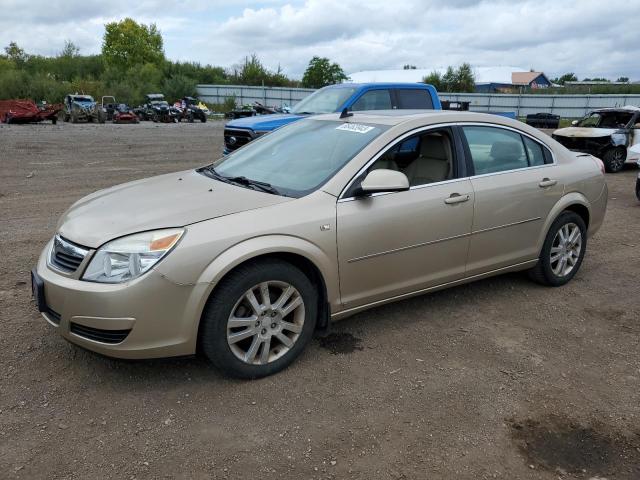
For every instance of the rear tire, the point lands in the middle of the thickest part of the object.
(614, 159)
(562, 252)
(239, 300)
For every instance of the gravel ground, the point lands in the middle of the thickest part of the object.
(501, 378)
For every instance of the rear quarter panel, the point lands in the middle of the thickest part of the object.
(584, 184)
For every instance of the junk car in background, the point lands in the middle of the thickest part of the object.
(190, 110)
(27, 111)
(82, 108)
(334, 98)
(124, 114)
(608, 134)
(156, 108)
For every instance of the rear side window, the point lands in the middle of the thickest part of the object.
(373, 100)
(414, 98)
(534, 152)
(495, 149)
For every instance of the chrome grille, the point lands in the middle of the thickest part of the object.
(65, 255)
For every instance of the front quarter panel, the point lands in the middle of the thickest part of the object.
(210, 249)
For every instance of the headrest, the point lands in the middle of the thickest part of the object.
(433, 146)
(506, 150)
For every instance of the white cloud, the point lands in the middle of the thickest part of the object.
(589, 37)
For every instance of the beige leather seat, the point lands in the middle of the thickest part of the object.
(506, 156)
(384, 162)
(434, 162)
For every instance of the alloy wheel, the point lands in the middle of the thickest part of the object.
(265, 322)
(565, 249)
(618, 159)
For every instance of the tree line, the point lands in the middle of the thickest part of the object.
(131, 64)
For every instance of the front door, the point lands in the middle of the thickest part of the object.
(395, 243)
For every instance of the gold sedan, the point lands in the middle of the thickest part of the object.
(245, 258)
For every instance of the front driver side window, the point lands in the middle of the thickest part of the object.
(424, 158)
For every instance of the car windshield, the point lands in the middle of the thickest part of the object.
(606, 120)
(325, 100)
(297, 159)
(83, 99)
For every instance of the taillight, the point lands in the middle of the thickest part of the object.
(599, 163)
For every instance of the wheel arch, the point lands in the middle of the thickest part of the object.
(309, 258)
(574, 202)
(582, 211)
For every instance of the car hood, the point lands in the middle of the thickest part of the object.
(264, 122)
(172, 200)
(585, 132)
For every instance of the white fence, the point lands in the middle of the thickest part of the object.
(272, 96)
(567, 106)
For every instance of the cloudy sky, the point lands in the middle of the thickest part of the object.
(588, 37)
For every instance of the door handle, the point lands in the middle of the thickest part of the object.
(456, 198)
(547, 183)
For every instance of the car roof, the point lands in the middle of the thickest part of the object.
(397, 117)
(626, 109)
(380, 84)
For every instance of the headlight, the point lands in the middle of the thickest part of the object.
(129, 257)
(618, 138)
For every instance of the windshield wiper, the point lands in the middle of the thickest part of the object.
(303, 113)
(211, 172)
(243, 181)
(248, 182)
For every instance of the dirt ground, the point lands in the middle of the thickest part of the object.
(497, 379)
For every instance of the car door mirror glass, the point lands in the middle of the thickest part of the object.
(383, 180)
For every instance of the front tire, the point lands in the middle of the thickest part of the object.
(259, 319)
(614, 159)
(562, 252)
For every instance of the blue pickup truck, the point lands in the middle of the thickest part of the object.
(335, 98)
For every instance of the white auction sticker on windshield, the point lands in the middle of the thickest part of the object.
(355, 127)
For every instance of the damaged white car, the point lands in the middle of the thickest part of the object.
(608, 134)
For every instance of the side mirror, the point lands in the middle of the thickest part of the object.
(637, 125)
(383, 180)
(574, 123)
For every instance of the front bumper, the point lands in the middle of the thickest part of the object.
(148, 317)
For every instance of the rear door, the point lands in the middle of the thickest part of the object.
(516, 184)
